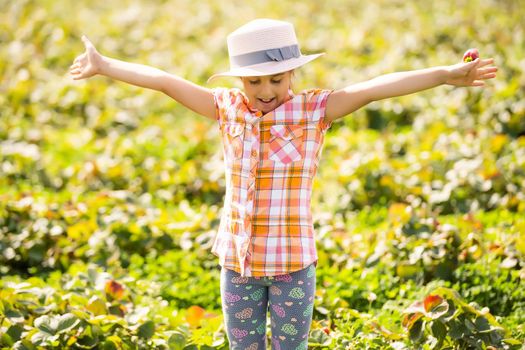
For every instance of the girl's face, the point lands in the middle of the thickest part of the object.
(266, 93)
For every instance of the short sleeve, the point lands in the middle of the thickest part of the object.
(226, 100)
(316, 104)
(218, 98)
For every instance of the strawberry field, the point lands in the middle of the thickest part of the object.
(110, 194)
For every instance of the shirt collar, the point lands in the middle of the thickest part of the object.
(259, 113)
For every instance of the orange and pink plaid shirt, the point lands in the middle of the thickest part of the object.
(266, 226)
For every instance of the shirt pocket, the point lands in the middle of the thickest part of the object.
(286, 143)
(234, 139)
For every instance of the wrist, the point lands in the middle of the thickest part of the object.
(445, 74)
(103, 64)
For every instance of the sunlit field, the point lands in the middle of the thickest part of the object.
(111, 194)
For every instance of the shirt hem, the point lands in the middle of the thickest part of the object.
(262, 274)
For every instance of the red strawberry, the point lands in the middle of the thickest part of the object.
(470, 55)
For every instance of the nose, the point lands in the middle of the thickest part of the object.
(266, 90)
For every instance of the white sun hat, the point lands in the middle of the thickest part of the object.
(264, 47)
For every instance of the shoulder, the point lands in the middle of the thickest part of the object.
(314, 91)
(316, 95)
(228, 96)
(229, 102)
(315, 98)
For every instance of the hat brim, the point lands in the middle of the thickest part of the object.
(267, 68)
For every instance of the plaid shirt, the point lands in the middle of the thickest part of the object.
(266, 226)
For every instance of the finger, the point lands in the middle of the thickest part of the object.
(74, 68)
(79, 58)
(488, 70)
(487, 76)
(77, 76)
(486, 61)
(477, 83)
(86, 41)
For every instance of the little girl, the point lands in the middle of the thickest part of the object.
(272, 146)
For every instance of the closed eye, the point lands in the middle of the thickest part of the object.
(255, 82)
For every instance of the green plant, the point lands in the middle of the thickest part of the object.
(444, 320)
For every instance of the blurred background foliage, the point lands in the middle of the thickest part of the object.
(412, 192)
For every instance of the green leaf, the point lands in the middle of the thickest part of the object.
(146, 330)
(37, 253)
(416, 332)
(482, 324)
(439, 330)
(87, 342)
(176, 341)
(46, 324)
(513, 341)
(41, 337)
(319, 338)
(66, 322)
(109, 345)
(13, 334)
(45, 309)
(81, 314)
(23, 345)
(14, 316)
(470, 325)
(97, 306)
(457, 329)
(406, 270)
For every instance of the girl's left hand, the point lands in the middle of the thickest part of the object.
(471, 73)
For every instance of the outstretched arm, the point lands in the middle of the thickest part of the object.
(193, 96)
(353, 97)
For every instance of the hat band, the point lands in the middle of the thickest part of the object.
(270, 55)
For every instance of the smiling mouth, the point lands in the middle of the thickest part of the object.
(267, 102)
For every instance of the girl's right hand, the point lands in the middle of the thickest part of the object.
(87, 64)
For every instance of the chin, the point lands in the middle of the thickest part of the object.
(266, 109)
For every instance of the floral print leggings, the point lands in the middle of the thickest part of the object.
(246, 300)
